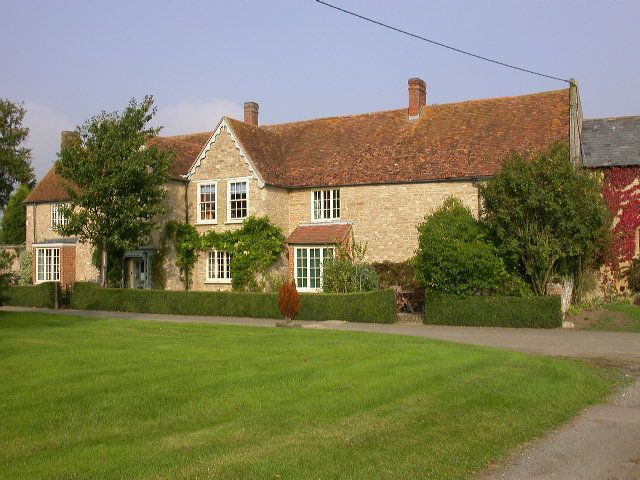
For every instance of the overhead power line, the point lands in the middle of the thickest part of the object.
(480, 57)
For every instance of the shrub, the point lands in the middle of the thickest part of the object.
(496, 311)
(26, 266)
(632, 275)
(396, 273)
(375, 307)
(454, 254)
(289, 301)
(342, 275)
(42, 295)
(348, 272)
(378, 306)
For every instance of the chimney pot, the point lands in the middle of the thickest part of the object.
(69, 138)
(417, 97)
(251, 113)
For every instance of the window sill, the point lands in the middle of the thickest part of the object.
(206, 222)
(217, 282)
(234, 221)
(328, 220)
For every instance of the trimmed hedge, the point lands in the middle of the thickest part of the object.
(42, 295)
(494, 311)
(371, 307)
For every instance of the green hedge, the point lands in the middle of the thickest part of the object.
(494, 311)
(42, 295)
(374, 307)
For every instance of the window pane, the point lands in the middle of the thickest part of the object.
(336, 204)
(238, 200)
(314, 267)
(207, 201)
(301, 267)
(317, 206)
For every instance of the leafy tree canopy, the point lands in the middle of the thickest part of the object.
(547, 217)
(115, 180)
(15, 159)
(13, 223)
(454, 254)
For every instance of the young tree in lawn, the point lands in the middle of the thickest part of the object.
(548, 217)
(289, 301)
(114, 179)
(15, 159)
(14, 221)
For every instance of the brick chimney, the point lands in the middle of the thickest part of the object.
(417, 97)
(251, 113)
(69, 138)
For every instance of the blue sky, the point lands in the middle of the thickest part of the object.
(68, 60)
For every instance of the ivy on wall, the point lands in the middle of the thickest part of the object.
(254, 248)
(622, 194)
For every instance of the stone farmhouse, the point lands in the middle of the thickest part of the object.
(374, 174)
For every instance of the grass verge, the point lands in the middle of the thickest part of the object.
(95, 398)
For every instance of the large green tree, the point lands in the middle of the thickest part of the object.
(15, 158)
(548, 217)
(115, 180)
(13, 226)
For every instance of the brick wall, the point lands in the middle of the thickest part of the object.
(67, 265)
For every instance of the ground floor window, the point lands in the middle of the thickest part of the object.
(308, 263)
(47, 265)
(218, 266)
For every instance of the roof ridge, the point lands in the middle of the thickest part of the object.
(181, 136)
(625, 117)
(378, 112)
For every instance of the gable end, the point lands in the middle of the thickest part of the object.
(223, 126)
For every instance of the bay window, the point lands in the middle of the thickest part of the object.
(47, 265)
(309, 266)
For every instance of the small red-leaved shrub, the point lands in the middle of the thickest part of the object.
(289, 301)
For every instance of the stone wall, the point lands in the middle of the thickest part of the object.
(221, 163)
(386, 216)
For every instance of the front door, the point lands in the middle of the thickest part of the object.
(140, 273)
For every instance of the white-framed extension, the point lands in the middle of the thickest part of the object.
(308, 266)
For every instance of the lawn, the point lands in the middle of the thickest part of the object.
(96, 398)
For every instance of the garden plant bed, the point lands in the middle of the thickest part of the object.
(615, 318)
(105, 398)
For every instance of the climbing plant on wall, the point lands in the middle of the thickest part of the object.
(254, 248)
(621, 191)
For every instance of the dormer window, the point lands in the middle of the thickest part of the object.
(207, 201)
(325, 205)
(57, 217)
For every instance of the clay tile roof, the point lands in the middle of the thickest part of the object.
(456, 140)
(319, 234)
(450, 141)
(49, 189)
(187, 147)
(264, 148)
